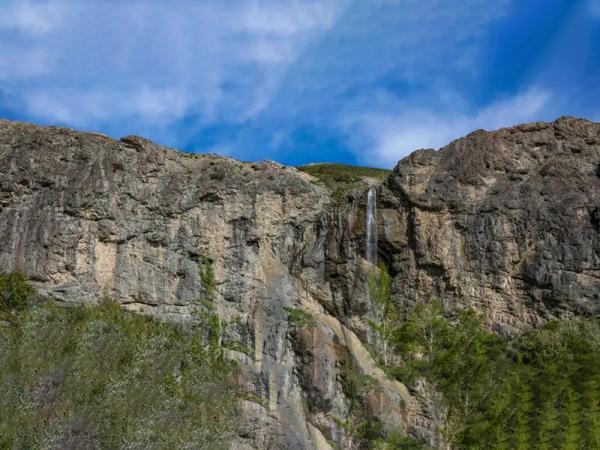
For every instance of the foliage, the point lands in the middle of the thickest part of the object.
(100, 377)
(361, 429)
(207, 312)
(207, 276)
(342, 178)
(358, 426)
(539, 390)
(299, 318)
(398, 441)
(15, 292)
(380, 294)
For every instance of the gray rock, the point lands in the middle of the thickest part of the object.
(86, 217)
(506, 222)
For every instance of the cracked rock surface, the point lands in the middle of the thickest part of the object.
(507, 222)
(504, 221)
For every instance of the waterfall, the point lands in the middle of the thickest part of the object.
(371, 249)
(371, 244)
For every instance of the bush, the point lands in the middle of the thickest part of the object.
(341, 178)
(299, 318)
(15, 292)
(101, 377)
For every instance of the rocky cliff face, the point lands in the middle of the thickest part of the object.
(507, 222)
(86, 217)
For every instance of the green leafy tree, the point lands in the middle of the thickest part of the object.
(548, 409)
(591, 411)
(380, 282)
(496, 420)
(101, 377)
(572, 439)
(523, 410)
(538, 390)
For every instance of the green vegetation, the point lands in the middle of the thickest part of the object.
(299, 318)
(101, 377)
(358, 426)
(342, 178)
(361, 429)
(15, 293)
(380, 293)
(539, 390)
(397, 441)
(206, 312)
(207, 276)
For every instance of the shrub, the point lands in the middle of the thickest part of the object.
(15, 292)
(101, 377)
(299, 318)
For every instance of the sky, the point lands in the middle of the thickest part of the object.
(297, 81)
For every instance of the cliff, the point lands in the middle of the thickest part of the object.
(506, 222)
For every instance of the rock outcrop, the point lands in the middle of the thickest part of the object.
(507, 222)
(86, 217)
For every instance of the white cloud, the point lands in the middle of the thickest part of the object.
(389, 137)
(103, 63)
(266, 77)
(35, 17)
(84, 107)
(287, 18)
(17, 63)
(25, 24)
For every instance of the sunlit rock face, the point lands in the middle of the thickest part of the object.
(503, 221)
(86, 217)
(506, 222)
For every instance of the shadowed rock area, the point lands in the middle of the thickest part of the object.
(506, 222)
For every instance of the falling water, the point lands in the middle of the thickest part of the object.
(371, 248)
(371, 244)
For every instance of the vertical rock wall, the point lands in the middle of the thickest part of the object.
(506, 222)
(86, 217)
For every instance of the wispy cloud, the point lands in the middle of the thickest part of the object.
(88, 64)
(385, 138)
(292, 80)
(30, 16)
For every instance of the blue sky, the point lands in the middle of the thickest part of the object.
(355, 81)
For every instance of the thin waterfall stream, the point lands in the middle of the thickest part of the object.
(371, 249)
(371, 244)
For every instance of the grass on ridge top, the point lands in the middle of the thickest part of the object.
(341, 178)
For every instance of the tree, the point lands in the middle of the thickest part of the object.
(207, 311)
(572, 426)
(591, 408)
(548, 417)
(523, 410)
(380, 282)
